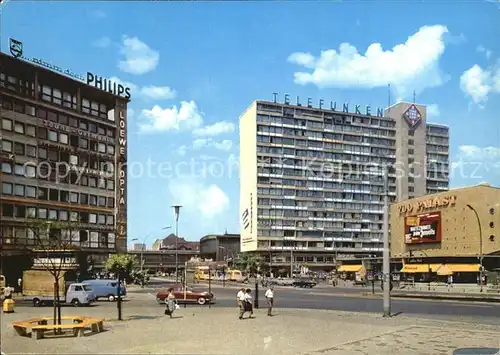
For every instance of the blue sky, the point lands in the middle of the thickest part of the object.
(195, 67)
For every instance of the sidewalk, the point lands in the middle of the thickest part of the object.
(290, 331)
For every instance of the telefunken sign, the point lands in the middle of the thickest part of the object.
(332, 105)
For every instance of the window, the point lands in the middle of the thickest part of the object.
(52, 116)
(18, 148)
(110, 132)
(54, 195)
(110, 184)
(73, 216)
(73, 197)
(102, 201)
(63, 138)
(19, 169)
(18, 107)
(69, 100)
(83, 143)
(411, 151)
(57, 96)
(53, 155)
(31, 191)
(411, 141)
(102, 148)
(92, 218)
(111, 202)
(42, 153)
(101, 219)
(31, 150)
(20, 211)
(30, 130)
(110, 219)
(92, 200)
(42, 213)
(92, 127)
(83, 125)
(111, 149)
(6, 124)
(42, 133)
(43, 193)
(6, 188)
(101, 130)
(30, 171)
(63, 119)
(7, 146)
(53, 214)
(63, 196)
(30, 110)
(85, 106)
(41, 113)
(53, 136)
(6, 168)
(102, 183)
(93, 146)
(31, 212)
(8, 210)
(63, 215)
(73, 122)
(92, 182)
(19, 190)
(19, 127)
(84, 181)
(84, 199)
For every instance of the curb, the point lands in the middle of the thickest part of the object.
(449, 298)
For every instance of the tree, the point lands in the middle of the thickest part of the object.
(250, 263)
(121, 264)
(55, 252)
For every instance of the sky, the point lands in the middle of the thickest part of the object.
(194, 67)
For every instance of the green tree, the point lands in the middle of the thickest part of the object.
(121, 265)
(55, 251)
(250, 263)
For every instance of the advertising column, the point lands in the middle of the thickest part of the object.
(121, 178)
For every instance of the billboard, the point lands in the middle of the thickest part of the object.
(423, 228)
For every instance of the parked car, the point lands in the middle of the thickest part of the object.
(191, 295)
(104, 288)
(304, 283)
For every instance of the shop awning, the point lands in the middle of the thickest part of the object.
(419, 268)
(463, 267)
(350, 268)
(444, 270)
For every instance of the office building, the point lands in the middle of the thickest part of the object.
(459, 228)
(63, 155)
(220, 247)
(311, 190)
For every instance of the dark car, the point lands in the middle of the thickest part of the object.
(304, 283)
(191, 295)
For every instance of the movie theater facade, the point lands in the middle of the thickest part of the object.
(448, 233)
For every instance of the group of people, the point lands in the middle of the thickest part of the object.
(244, 300)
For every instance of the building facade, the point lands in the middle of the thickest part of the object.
(459, 226)
(221, 247)
(312, 184)
(63, 157)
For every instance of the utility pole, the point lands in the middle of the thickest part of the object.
(481, 268)
(386, 255)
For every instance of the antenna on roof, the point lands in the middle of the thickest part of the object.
(414, 96)
(225, 231)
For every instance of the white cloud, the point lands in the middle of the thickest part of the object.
(208, 200)
(102, 42)
(215, 129)
(187, 117)
(158, 92)
(473, 152)
(479, 83)
(413, 65)
(433, 110)
(484, 50)
(139, 57)
(224, 145)
(182, 150)
(478, 163)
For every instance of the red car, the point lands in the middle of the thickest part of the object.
(190, 296)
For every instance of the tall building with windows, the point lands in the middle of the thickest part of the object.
(63, 155)
(311, 179)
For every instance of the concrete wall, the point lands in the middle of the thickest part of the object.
(248, 178)
(459, 225)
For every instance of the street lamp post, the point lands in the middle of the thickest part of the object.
(386, 254)
(143, 246)
(480, 246)
(177, 209)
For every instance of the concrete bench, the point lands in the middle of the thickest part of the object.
(39, 326)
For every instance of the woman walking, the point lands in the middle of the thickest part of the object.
(170, 303)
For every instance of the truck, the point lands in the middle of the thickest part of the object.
(38, 287)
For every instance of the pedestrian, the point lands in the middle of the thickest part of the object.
(450, 281)
(270, 300)
(170, 303)
(248, 302)
(7, 292)
(240, 300)
(20, 285)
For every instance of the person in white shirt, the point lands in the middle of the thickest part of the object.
(240, 299)
(270, 300)
(248, 303)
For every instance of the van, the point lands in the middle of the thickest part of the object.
(106, 288)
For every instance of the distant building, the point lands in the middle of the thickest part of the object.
(169, 243)
(221, 247)
(139, 247)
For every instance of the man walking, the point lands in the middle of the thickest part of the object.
(270, 300)
(240, 299)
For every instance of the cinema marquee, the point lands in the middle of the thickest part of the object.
(432, 203)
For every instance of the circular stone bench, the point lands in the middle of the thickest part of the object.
(37, 327)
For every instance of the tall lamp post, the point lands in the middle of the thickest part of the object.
(480, 246)
(386, 254)
(177, 209)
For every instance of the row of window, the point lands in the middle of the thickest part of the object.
(328, 184)
(57, 137)
(329, 118)
(55, 195)
(366, 236)
(313, 193)
(20, 211)
(340, 206)
(50, 173)
(55, 96)
(81, 238)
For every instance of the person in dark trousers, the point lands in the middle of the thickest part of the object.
(270, 300)
(170, 303)
(248, 302)
(240, 299)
